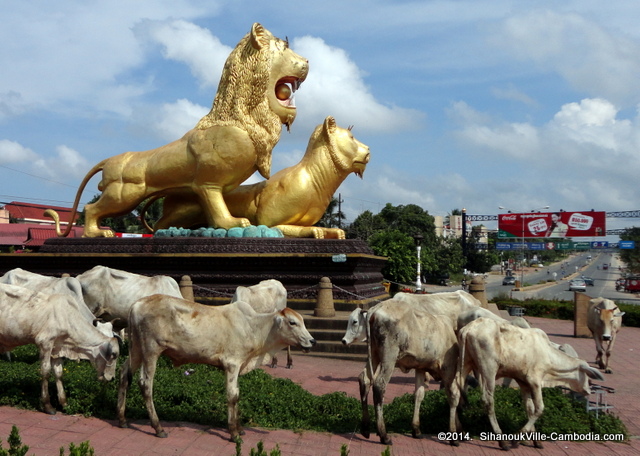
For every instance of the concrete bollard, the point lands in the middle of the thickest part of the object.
(477, 289)
(324, 302)
(186, 288)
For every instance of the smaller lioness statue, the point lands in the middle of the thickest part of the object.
(293, 199)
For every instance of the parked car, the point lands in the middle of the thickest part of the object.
(605, 266)
(588, 280)
(577, 285)
(509, 280)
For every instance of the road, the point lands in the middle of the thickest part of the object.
(578, 264)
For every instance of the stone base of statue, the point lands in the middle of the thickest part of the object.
(217, 266)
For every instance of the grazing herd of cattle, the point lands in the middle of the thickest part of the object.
(447, 336)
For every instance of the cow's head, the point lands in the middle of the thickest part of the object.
(356, 327)
(106, 360)
(608, 313)
(292, 330)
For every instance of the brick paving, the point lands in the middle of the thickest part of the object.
(46, 434)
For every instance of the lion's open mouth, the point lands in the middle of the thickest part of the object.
(285, 91)
(359, 167)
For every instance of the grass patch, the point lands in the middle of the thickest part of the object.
(196, 393)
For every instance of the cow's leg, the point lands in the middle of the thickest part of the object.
(365, 384)
(607, 369)
(233, 395)
(452, 390)
(289, 359)
(45, 370)
(126, 377)
(600, 352)
(488, 382)
(56, 364)
(387, 365)
(147, 373)
(419, 396)
(534, 405)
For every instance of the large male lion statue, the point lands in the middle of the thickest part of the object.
(294, 198)
(227, 146)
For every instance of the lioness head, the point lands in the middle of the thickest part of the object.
(348, 155)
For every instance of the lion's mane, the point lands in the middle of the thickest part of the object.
(241, 99)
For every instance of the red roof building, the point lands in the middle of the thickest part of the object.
(34, 213)
(32, 227)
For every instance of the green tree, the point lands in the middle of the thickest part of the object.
(333, 216)
(364, 226)
(631, 257)
(400, 248)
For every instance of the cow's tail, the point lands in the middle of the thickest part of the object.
(54, 215)
(367, 329)
(461, 377)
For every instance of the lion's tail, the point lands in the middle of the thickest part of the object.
(143, 211)
(54, 215)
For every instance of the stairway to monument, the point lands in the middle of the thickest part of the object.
(329, 331)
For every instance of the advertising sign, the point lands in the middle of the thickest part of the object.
(552, 224)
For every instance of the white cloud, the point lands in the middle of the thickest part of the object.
(66, 163)
(335, 86)
(195, 46)
(13, 152)
(175, 119)
(594, 59)
(75, 55)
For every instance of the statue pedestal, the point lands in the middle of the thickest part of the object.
(217, 266)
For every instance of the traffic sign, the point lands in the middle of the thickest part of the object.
(627, 244)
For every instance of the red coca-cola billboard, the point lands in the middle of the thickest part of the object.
(552, 224)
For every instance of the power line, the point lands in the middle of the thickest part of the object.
(37, 177)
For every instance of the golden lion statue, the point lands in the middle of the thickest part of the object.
(294, 198)
(228, 145)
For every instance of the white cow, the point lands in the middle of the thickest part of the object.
(495, 349)
(448, 303)
(604, 320)
(109, 293)
(267, 296)
(69, 286)
(233, 337)
(408, 337)
(54, 323)
(468, 316)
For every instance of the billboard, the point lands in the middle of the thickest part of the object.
(552, 224)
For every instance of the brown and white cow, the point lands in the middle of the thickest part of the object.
(604, 320)
(405, 336)
(233, 337)
(109, 293)
(55, 325)
(267, 296)
(496, 349)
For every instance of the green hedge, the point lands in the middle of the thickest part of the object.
(561, 309)
(196, 393)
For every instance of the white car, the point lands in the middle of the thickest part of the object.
(578, 285)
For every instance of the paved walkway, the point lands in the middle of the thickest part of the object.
(46, 434)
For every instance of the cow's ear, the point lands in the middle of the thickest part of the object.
(618, 314)
(592, 373)
(279, 321)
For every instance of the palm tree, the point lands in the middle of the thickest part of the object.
(333, 216)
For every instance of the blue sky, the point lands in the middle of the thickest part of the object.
(473, 104)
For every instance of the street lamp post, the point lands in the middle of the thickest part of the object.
(418, 238)
(522, 214)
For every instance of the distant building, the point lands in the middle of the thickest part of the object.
(31, 227)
